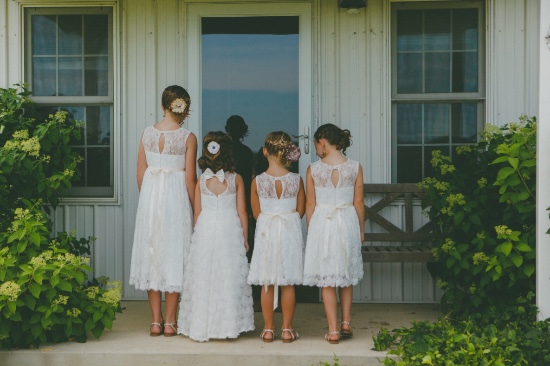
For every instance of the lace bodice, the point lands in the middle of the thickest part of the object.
(269, 202)
(223, 201)
(325, 191)
(173, 154)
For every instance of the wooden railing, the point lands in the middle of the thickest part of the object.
(417, 246)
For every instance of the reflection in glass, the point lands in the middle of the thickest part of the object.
(44, 76)
(70, 34)
(70, 76)
(96, 34)
(436, 123)
(465, 72)
(98, 167)
(96, 76)
(98, 125)
(464, 123)
(43, 34)
(409, 123)
(250, 68)
(465, 29)
(437, 30)
(409, 164)
(409, 30)
(438, 75)
(409, 73)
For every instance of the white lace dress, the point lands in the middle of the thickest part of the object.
(278, 243)
(333, 248)
(216, 301)
(164, 220)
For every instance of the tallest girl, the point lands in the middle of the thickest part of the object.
(166, 177)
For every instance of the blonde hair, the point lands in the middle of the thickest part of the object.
(276, 144)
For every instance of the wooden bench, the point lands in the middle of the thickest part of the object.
(417, 247)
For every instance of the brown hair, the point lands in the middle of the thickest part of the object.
(223, 159)
(334, 135)
(173, 92)
(276, 144)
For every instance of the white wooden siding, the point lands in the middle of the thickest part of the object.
(351, 88)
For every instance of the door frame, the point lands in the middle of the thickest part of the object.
(305, 93)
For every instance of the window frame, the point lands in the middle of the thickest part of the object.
(478, 97)
(83, 195)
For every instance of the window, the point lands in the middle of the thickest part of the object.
(437, 82)
(69, 66)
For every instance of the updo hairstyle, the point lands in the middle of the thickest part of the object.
(276, 145)
(223, 159)
(335, 136)
(236, 127)
(172, 93)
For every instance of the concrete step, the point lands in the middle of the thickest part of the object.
(129, 343)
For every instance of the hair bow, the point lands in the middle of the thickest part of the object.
(219, 174)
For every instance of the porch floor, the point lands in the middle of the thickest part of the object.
(129, 343)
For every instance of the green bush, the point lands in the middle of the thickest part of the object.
(45, 295)
(483, 205)
(510, 336)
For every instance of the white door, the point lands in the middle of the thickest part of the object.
(252, 60)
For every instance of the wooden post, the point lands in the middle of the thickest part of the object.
(543, 164)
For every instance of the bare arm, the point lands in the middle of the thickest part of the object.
(310, 196)
(359, 202)
(254, 199)
(241, 208)
(141, 165)
(191, 167)
(301, 200)
(197, 204)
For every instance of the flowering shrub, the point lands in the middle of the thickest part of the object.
(44, 292)
(483, 204)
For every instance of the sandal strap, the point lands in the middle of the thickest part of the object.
(171, 325)
(265, 331)
(154, 323)
(347, 323)
(294, 335)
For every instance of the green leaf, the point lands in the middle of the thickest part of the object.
(34, 238)
(506, 248)
(504, 173)
(517, 259)
(529, 269)
(107, 321)
(35, 289)
(65, 286)
(523, 247)
(475, 219)
(36, 330)
(54, 280)
(513, 162)
(458, 217)
(97, 331)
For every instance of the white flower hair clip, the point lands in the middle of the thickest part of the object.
(178, 105)
(213, 147)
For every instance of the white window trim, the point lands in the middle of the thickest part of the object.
(476, 97)
(114, 86)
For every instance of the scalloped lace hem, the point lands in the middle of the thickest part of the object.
(330, 282)
(146, 286)
(226, 335)
(272, 283)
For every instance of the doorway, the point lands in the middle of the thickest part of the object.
(253, 60)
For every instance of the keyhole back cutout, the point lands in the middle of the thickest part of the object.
(215, 186)
(161, 142)
(278, 188)
(335, 177)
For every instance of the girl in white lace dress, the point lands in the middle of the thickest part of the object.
(335, 218)
(166, 177)
(278, 203)
(216, 301)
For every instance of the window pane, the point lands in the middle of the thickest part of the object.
(438, 75)
(409, 30)
(70, 34)
(465, 72)
(96, 76)
(437, 29)
(70, 76)
(428, 168)
(98, 125)
(465, 33)
(409, 73)
(43, 34)
(464, 123)
(436, 121)
(98, 167)
(81, 168)
(409, 164)
(409, 123)
(43, 76)
(96, 30)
